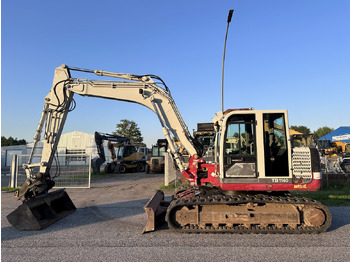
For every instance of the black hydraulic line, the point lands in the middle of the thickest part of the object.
(81, 69)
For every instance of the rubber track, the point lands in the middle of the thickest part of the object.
(254, 229)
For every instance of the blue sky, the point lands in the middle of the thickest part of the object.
(292, 55)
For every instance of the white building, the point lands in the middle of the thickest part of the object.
(70, 143)
(8, 151)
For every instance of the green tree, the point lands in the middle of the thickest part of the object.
(12, 141)
(130, 130)
(301, 129)
(322, 131)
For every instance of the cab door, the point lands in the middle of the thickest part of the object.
(240, 147)
(275, 145)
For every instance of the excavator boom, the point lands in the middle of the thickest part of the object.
(59, 102)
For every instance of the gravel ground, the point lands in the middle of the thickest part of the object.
(109, 219)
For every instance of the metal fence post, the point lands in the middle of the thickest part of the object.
(14, 171)
(170, 173)
(89, 182)
(327, 178)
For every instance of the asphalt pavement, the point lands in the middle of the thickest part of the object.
(109, 219)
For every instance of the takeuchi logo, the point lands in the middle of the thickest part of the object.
(300, 186)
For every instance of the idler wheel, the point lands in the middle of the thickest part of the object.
(314, 217)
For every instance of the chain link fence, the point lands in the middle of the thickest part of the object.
(336, 180)
(67, 170)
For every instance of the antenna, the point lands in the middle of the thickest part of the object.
(223, 61)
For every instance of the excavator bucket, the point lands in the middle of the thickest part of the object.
(155, 210)
(42, 211)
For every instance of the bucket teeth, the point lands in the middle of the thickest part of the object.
(42, 211)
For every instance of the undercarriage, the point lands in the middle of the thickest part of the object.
(200, 211)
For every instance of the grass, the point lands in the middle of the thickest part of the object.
(9, 189)
(331, 196)
(171, 187)
(102, 174)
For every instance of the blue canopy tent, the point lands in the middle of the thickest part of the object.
(340, 134)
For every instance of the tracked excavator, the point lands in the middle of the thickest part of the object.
(127, 157)
(245, 189)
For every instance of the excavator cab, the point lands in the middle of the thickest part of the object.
(255, 145)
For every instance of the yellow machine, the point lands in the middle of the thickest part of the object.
(128, 156)
(347, 150)
(301, 140)
(155, 164)
(329, 148)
